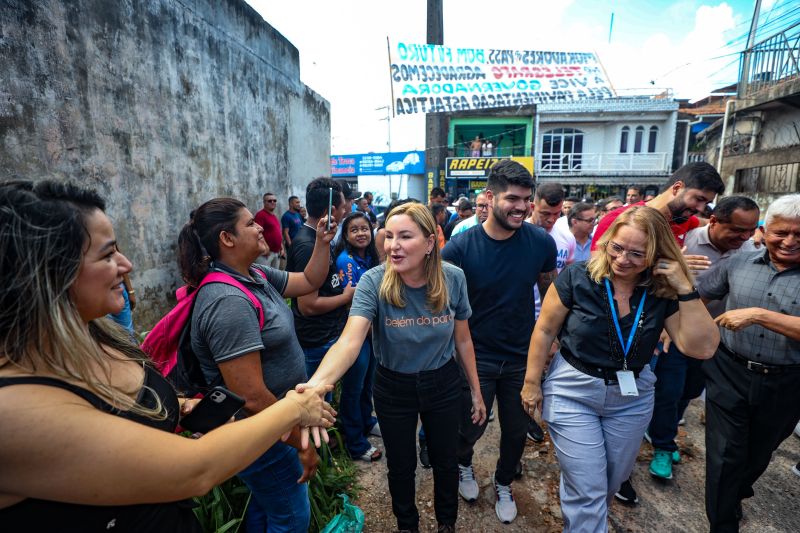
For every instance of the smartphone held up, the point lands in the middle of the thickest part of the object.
(330, 209)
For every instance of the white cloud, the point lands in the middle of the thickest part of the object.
(683, 65)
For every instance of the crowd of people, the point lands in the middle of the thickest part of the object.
(605, 319)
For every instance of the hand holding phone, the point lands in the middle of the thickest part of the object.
(215, 409)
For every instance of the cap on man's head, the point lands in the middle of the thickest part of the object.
(349, 194)
(464, 204)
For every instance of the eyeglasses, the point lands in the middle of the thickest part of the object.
(615, 250)
(271, 201)
(482, 206)
(590, 220)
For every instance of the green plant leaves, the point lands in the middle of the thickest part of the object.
(222, 510)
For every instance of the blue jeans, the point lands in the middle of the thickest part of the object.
(279, 504)
(680, 379)
(367, 406)
(352, 418)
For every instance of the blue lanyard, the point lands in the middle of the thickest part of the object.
(626, 347)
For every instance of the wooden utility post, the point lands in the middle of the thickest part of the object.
(435, 123)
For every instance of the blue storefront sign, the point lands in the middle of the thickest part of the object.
(378, 164)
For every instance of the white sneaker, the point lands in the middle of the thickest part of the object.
(467, 486)
(376, 431)
(505, 508)
(797, 430)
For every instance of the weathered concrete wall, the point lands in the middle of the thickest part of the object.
(161, 105)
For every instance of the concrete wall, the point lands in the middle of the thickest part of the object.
(161, 105)
(780, 128)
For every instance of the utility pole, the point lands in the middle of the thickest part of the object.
(744, 78)
(741, 90)
(435, 130)
(388, 119)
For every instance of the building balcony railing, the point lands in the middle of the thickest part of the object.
(769, 62)
(602, 163)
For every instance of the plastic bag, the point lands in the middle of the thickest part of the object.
(350, 520)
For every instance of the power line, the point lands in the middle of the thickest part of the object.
(769, 25)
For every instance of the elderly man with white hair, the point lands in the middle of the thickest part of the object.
(753, 382)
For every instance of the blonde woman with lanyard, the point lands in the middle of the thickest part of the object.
(598, 396)
(418, 308)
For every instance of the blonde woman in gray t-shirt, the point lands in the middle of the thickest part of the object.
(418, 309)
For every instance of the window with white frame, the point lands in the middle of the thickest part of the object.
(562, 149)
(638, 139)
(623, 139)
(652, 139)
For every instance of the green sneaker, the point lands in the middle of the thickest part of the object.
(676, 457)
(661, 465)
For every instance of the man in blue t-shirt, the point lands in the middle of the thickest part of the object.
(503, 259)
(291, 220)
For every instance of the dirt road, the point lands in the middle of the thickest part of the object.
(672, 506)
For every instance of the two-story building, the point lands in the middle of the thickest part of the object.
(598, 148)
(759, 138)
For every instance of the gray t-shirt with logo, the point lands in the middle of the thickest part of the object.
(225, 326)
(412, 339)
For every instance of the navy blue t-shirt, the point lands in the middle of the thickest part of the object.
(500, 280)
(293, 221)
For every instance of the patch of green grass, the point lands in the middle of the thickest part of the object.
(222, 510)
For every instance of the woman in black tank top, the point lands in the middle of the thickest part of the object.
(88, 439)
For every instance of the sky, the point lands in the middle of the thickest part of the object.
(689, 46)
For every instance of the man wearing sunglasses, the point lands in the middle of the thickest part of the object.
(272, 232)
(686, 193)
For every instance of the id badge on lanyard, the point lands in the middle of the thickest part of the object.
(625, 377)
(627, 383)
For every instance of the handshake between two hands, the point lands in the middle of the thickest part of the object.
(316, 415)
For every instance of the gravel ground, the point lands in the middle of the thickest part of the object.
(672, 506)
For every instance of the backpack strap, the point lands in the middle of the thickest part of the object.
(260, 272)
(221, 277)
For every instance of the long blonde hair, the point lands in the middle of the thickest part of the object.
(392, 287)
(43, 237)
(660, 245)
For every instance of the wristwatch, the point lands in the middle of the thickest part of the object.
(694, 295)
